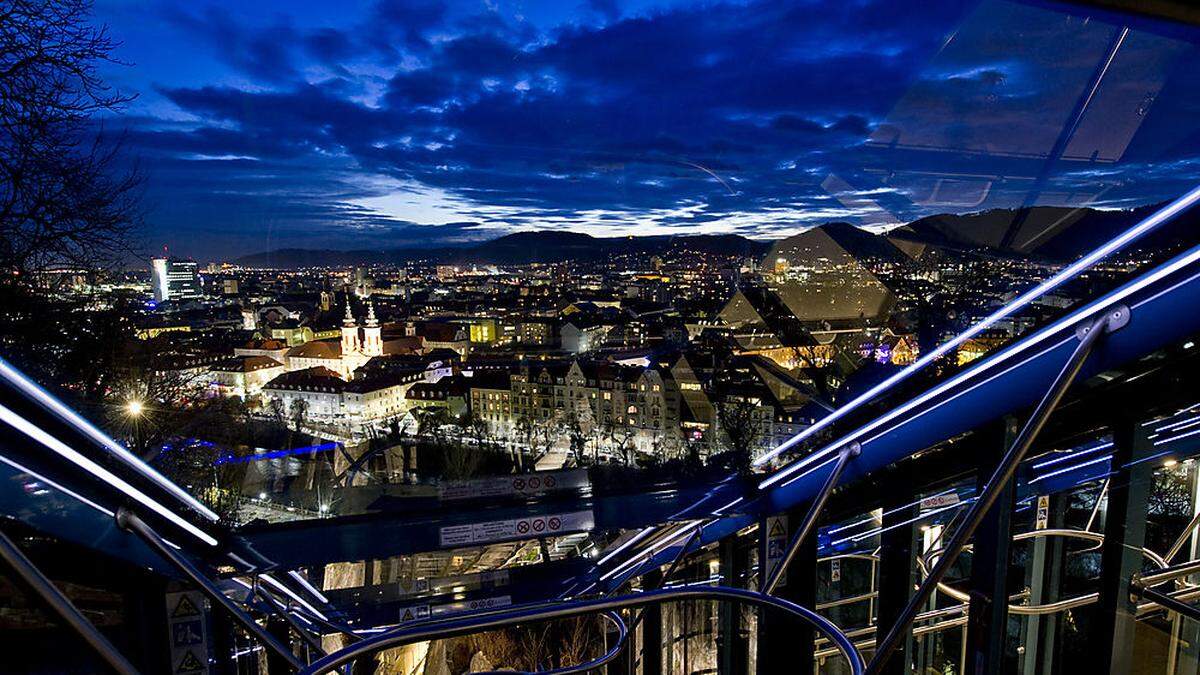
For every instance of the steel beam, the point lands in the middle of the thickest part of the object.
(733, 645)
(130, 522)
(28, 575)
(1000, 478)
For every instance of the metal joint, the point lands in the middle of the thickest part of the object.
(1115, 318)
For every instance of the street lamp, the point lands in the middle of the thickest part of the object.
(135, 408)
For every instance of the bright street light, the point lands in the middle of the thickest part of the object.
(134, 407)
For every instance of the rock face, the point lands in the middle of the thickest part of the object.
(480, 663)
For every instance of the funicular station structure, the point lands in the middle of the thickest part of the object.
(1035, 511)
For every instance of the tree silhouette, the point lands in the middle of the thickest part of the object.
(64, 197)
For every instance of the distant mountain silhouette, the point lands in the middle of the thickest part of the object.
(1045, 232)
(514, 249)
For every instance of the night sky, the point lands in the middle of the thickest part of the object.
(341, 125)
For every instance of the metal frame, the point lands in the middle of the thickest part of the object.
(130, 522)
(477, 624)
(33, 579)
(1088, 335)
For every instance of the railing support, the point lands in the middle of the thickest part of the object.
(33, 579)
(814, 513)
(995, 485)
(130, 522)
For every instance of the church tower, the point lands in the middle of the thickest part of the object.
(350, 343)
(372, 334)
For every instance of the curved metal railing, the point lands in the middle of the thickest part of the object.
(476, 624)
(602, 660)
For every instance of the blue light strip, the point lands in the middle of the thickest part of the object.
(1158, 218)
(1071, 468)
(1172, 439)
(65, 413)
(889, 512)
(1063, 325)
(1175, 425)
(275, 454)
(1073, 455)
(871, 533)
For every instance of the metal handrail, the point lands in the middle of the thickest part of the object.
(1031, 610)
(474, 624)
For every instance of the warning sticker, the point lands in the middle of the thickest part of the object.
(187, 629)
(518, 528)
(190, 663)
(185, 608)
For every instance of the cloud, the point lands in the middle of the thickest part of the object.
(715, 117)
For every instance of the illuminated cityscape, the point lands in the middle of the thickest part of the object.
(639, 338)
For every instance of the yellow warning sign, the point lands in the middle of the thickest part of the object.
(189, 663)
(185, 608)
(777, 528)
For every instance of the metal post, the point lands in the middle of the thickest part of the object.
(129, 521)
(276, 664)
(1044, 578)
(987, 617)
(732, 645)
(897, 549)
(784, 644)
(1115, 621)
(1000, 477)
(814, 512)
(652, 637)
(28, 574)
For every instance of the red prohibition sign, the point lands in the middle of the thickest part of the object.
(555, 523)
(523, 526)
(539, 525)
(519, 483)
(550, 481)
(535, 483)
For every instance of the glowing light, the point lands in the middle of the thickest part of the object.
(304, 583)
(627, 543)
(1073, 455)
(1069, 469)
(134, 407)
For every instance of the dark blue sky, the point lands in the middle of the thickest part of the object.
(343, 125)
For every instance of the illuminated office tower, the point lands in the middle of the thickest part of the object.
(174, 279)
